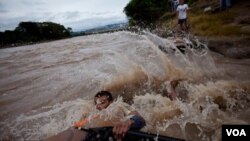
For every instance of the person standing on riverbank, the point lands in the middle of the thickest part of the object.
(174, 4)
(182, 9)
(225, 4)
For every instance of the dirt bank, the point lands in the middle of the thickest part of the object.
(225, 31)
(233, 47)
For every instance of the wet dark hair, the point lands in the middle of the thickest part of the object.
(104, 93)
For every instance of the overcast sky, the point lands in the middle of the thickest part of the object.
(77, 14)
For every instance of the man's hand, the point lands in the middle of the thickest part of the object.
(122, 128)
(80, 123)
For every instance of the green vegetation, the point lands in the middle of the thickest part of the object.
(29, 32)
(219, 24)
(212, 23)
(145, 12)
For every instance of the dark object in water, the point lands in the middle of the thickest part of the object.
(171, 50)
(106, 134)
(185, 44)
(165, 50)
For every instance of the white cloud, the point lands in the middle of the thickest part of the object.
(67, 12)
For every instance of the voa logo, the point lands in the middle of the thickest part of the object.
(236, 132)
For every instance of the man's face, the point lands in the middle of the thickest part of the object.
(102, 102)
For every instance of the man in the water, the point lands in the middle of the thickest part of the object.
(103, 99)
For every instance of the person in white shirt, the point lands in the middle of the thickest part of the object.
(182, 9)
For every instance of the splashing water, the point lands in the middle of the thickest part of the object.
(46, 87)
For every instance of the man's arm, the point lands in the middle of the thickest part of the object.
(70, 134)
(187, 8)
(177, 11)
(135, 121)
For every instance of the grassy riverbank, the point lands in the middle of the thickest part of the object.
(231, 22)
(226, 32)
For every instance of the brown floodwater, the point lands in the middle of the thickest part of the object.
(46, 87)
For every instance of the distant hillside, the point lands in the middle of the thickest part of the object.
(33, 32)
(102, 29)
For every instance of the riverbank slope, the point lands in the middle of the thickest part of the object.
(226, 32)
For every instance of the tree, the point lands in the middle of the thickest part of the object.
(146, 11)
(27, 32)
(69, 29)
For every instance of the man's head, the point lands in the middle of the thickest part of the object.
(103, 99)
(182, 1)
